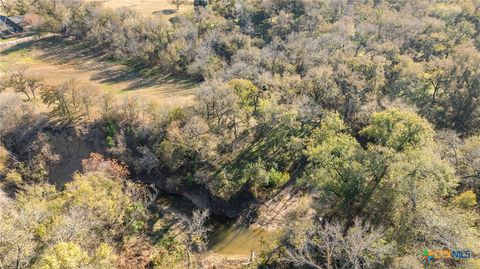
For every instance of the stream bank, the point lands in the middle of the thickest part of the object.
(229, 237)
(233, 237)
(237, 230)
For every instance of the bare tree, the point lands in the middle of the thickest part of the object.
(328, 246)
(13, 112)
(87, 95)
(196, 232)
(148, 161)
(218, 104)
(107, 105)
(130, 109)
(22, 82)
(64, 99)
(4, 6)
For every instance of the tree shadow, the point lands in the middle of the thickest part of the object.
(88, 57)
(165, 11)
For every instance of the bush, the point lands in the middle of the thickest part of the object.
(3, 159)
(277, 178)
(260, 177)
(13, 177)
(138, 225)
(110, 132)
(110, 142)
(111, 128)
(466, 199)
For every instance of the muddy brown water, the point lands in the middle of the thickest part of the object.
(227, 236)
(233, 239)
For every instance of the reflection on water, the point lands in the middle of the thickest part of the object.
(227, 237)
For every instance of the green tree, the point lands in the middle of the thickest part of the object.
(399, 130)
(249, 94)
(71, 228)
(63, 255)
(466, 199)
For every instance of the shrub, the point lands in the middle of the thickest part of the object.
(13, 177)
(3, 159)
(277, 178)
(111, 128)
(466, 199)
(110, 142)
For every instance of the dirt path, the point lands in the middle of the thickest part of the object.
(7, 44)
(272, 214)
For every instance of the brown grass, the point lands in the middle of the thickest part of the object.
(154, 8)
(58, 61)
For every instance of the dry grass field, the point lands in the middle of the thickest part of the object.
(58, 61)
(154, 8)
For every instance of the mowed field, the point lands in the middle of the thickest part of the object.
(58, 60)
(152, 8)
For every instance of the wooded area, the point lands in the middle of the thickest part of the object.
(371, 109)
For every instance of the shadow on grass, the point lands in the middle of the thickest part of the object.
(166, 11)
(86, 56)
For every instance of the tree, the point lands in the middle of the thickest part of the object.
(65, 99)
(317, 245)
(188, 148)
(16, 7)
(466, 199)
(177, 3)
(248, 93)
(71, 256)
(111, 168)
(196, 233)
(319, 84)
(88, 96)
(399, 130)
(71, 100)
(107, 105)
(129, 108)
(20, 218)
(14, 113)
(4, 156)
(72, 228)
(22, 82)
(375, 180)
(342, 168)
(148, 161)
(218, 104)
(105, 202)
(464, 156)
(63, 255)
(449, 95)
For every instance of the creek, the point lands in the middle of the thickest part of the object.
(227, 237)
